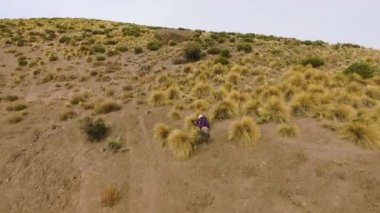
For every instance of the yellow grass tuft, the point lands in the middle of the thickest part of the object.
(302, 104)
(366, 136)
(288, 131)
(199, 105)
(244, 131)
(161, 132)
(106, 107)
(275, 110)
(224, 110)
(157, 98)
(172, 93)
(202, 90)
(232, 77)
(109, 196)
(180, 143)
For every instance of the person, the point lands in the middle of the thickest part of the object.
(202, 123)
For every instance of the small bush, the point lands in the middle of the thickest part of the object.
(313, 61)
(17, 107)
(98, 48)
(225, 53)
(302, 104)
(122, 48)
(180, 143)
(53, 58)
(157, 98)
(172, 93)
(109, 196)
(161, 132)
(174, 114)
(106, 107)
(222, 60)
(363, 69)
(244, 131)
(11, 98)
(288, 131)
(15, 119)
(202, 90)
(22, 63)
(214, 51)
(138, 50)
(67, 114)
(96, 130)
(114, 145)
(366, 136)
(76, 99)
(192, 51)
(154, 45)
(100, 57)
(246, 47)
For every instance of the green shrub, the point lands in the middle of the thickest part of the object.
(247, 48)
(225, 53)
(114, 145)
(100, 57)
(213, 51)
(192, 51)
(65, 39)
(96, 130)
(138, 50)
(313, 61)
(98, 48)
(222, 60)
(154, 45)
(122, 48)
(363, 69)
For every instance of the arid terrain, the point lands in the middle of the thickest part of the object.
(95, 117)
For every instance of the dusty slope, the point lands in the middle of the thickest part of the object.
(46, 170)
(47, 165)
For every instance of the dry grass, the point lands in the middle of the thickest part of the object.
(202, 90)
(15, 119)
(172, 93)
(157, 98)
(199, 105)
(180, 143)
(174, 114)
(244, 131)
(302, 104)
(366, 136)
(161, 132)
(106, 107)
(224, 110)
(232, 77)
(109, 196)
(275, 110)
(67, 114)
(288, 131)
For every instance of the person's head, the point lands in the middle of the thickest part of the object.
(200, 116)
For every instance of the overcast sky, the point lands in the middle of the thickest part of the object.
(354, 21)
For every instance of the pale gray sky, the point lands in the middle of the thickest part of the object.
(354, 21)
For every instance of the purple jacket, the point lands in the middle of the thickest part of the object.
(202, 122)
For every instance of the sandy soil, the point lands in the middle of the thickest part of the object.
(48, 166)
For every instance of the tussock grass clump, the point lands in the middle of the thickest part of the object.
(67, 114)
(180, 143)
(106, 107)
(15, 119)
(341, 112)
(270, 92)
(154, 45)
(219, 94)
(157, 98)
(17, 107)
(115, 145)
(109, 196)
(302, 104)
(224, 110)
(199, 105)
(244, 131)
(161, 132)
(275, 110)
(172, 93)
(232, 77)
(366, 136)
(373, 92)
(288, 131)
(96, 130)
(76, 99)
(202, 90)
(251, 107)
(174, 114)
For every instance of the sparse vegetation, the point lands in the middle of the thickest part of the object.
(106, 107)
(363, 69)
(160, 134)
(361, 134)
(313, 61)
(288, 131)
(109, 196)
(96, 130)
(192, 51)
